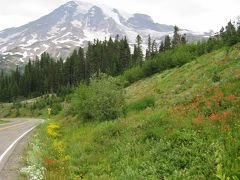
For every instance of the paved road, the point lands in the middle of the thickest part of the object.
(11, 134)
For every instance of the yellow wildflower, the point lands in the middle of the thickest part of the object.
(52, 129)
(59, 147)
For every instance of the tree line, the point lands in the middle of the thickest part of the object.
(175, 52)
(49, 75)
(113, 57)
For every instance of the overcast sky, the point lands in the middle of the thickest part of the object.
(198, 15)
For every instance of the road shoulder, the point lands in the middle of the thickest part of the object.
(15, 161)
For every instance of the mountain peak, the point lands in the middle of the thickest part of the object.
(70, 4)
(78, 3)
(80, 6)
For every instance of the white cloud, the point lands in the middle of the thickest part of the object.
(199, 15)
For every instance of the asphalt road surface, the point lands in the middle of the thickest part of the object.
(11, 135)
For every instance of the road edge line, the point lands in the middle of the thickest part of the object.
(14, 143)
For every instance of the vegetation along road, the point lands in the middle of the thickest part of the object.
(12, 134)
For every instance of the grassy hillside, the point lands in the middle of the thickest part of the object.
(181, 124)
(36, 107)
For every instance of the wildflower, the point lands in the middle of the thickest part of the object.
(230, 97)
(51, 129)
(59, 147)
(49, 161)
(208, 103)
(220, 95)
(213, 117)
(67, 158)
(33, 172)
(193, 104)
(224, 115)
(213, 97)
(217, 103)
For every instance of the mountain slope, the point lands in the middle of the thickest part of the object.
(74, 24)
(191, 132)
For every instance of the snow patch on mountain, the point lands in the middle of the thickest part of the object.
(82, 7)
(76, 23)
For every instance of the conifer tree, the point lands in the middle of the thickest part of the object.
(149, 49)
(176, 37)
(230, 36)
(161, 48)
(81, 68)
(154, 49)
(167, 43)
(222, 32)
(138, 51)
(184, 39)
(125, 55)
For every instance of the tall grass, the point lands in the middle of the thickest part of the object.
(141, 104)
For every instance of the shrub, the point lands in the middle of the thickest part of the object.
(56, 108)
(102, 99)
(133, 74)
(149, 68)
(147, 101)
(173, 58)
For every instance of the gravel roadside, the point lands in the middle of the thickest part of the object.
(15, 161)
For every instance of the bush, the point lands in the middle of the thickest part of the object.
(141, 104)
(102, 99)
(149, 68)
(56, 108)
(174, 58)
(134, 74)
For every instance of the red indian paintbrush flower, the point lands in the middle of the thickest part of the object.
(224, 115)
(230, 97)
(213, 117)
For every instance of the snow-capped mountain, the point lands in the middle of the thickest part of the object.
(74, 24)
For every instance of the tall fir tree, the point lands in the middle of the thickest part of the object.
(167, 43)
(184, 39)
(161, 48)
(149, 49)
(138, 51)
(176, 37)
(125, 55)
(154, 49)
